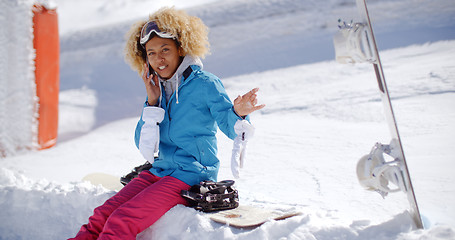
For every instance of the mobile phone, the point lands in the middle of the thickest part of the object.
(150, 70)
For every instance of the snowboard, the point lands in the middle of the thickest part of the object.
(357, 43)
(108, 181)
(248, 216)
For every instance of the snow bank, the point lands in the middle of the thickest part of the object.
(42, 209)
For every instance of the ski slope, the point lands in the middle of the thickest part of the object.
(320, 118)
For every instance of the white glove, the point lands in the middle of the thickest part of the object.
(244, 131)
(150, 132)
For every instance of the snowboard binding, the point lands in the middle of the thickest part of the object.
(209, 196)
(134, 173)
(375, 173)
(353, 43)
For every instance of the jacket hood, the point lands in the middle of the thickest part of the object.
(172, 84)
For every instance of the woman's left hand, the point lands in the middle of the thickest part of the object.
(246, 104)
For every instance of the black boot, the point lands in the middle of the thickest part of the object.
(208, 196)
(134, 173)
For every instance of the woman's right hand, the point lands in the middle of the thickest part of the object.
(153, 89)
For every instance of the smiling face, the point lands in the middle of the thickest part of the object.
(163, 56)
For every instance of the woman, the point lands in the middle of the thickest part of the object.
(183, 109)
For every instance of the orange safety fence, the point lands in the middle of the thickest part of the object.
(47, 46)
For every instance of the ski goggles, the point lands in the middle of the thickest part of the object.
(151, 27)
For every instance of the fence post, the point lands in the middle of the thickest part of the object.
(47, 47)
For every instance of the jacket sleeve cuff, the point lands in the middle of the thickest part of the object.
(146, 104)
(247, 117)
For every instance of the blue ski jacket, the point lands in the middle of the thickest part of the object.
(188, 145)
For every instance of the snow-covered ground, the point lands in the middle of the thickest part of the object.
(321, 117)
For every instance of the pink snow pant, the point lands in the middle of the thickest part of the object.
(134, 208)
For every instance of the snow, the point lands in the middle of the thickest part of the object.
(320, 118)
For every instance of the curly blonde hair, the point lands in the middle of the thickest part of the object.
(191, 32)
